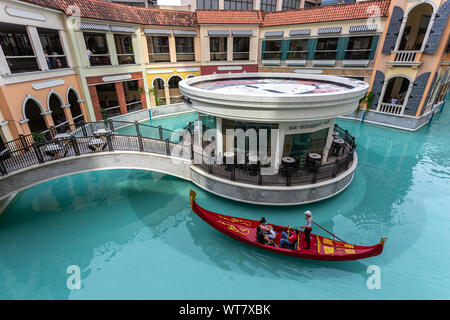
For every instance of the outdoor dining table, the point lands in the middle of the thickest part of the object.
(338, 145)
(288, 160)
(97, 143)
(314, 158)
(53, 149)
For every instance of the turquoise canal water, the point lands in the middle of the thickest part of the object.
(133, 235)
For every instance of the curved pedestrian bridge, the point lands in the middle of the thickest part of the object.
(104, 146)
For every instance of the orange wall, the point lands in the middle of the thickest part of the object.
(12, 97)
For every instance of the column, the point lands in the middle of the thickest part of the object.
(172, 49)
(408, 93)
(427, 34)
(68, 114)
(400, 33)
(222, 4)
(302, 4)
(279, 6)
(66, 48)
(112, 49)
(230, 48)
(328, 143)
(167, 93)
(95, 103)
(37, 47)
(380, 100)
(152, 97)
(121, 97)
(256, 4)
(142, 94)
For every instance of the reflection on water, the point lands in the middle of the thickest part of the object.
(134, 229)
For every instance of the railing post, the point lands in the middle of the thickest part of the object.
(24, 142)
(74, 143)
(160, 133)
(259, 176)
(38, 153)
(336, 164)
(289, 176)
(3, 170)
(167, 147)
(83, 129)
(233, 173)
(316, 173)
(111, 125)
(109, 142)
(139, 136)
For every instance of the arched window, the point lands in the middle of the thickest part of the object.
(36, 121)
(75, 108)
(416, 27)
(175, 93)
(160, 94)
(59, 118)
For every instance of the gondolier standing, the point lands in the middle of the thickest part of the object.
(308, 228)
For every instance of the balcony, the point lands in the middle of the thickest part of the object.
(391, 108)
(406, 58)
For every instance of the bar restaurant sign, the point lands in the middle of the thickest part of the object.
(307, 126)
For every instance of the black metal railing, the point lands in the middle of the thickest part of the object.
(102, 136)
(114, 135)
(285, 176)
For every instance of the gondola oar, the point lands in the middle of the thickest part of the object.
(329, 232)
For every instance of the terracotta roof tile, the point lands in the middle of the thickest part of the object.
(102, 10)
(229, 17)
(348, 11)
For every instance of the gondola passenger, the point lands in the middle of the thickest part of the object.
(288, 240)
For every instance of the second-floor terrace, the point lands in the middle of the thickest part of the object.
(326, 47)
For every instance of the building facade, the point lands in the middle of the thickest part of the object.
(70, 61)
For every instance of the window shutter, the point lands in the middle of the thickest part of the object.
(416, 94)
(312, 45)
(433, 83)
(377, 87)
(393, 30)
(263, 49)
(341, 47)
(373, 47)
(284, 49)
(438, 28)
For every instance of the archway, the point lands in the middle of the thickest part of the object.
(55, 105)
(160, 94)
(395, 95)
(36, 121)
(416, 28)
(75, 109)
(174, 90)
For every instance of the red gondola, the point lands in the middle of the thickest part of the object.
(321, 248)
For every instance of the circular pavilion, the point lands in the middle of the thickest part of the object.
(272, 132)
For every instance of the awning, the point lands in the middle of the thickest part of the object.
(242, 33)
(299, 32)
(94, 26)
(224, 33)
(192, 33)
(122, 29)
(329, 30)
(158, 31)
(363, 28)
(273, 34)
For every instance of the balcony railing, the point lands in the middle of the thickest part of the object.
(241, 55)
(297, 55)
(218, 56)
(272, 55)
(391, 108)
(325, 55)
(361, 54)
(159, 57)
(406, 55)
(186, 56)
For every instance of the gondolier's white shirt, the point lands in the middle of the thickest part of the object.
(309, 222)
